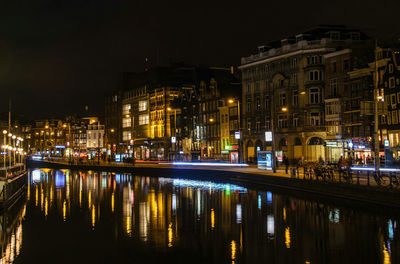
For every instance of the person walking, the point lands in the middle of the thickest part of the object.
(286, 163)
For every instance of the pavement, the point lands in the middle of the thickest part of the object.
(249, 169)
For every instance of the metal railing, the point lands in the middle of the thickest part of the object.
(386, 177)
(11, 171)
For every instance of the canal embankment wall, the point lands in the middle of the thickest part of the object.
(368, 197)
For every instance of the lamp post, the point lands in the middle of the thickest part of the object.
(231, 101)
(174, 134)
(4, 147)
(14, 137)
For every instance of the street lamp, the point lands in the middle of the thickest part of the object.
(174, 140)
(239, 137)
(14, 137)
(4, 147)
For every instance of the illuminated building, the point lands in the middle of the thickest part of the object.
(284, 91)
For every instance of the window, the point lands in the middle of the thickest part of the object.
(333, 87)
(390, 68)
(394, 117)
(267, 68)
(257, 88)
(267, 123)
(295, 121)
(316, 59)
(314, 75)
(248, 105)
(258, 103)
(334, 67)
(282, 121)
(391, 82)
(142, 106)
(294, 78)
(335, 35)
(143, 119)
(346, 65)
(314, 119)
(393, 100)
(126, 135)
(126, 122)
(258, 126)
(294, 62)
(248, 124)
(282, 99)
(267, 105)
(295, 97)
(233, 111)
(314, 96)
(248, 88)
(126, 109)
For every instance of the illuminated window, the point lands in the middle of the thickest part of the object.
(126, 135)
(126, 122)
(142, 105)
(143, 119)
(126, 109)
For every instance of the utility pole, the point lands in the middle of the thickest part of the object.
(376, 105)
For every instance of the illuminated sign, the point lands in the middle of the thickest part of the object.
(331, 144)
(386, 143)
(60, 146)
(173, 139)
(268, 136)
(237, 135)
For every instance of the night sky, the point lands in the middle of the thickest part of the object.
(58, 56)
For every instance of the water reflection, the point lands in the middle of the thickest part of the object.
(213, 222)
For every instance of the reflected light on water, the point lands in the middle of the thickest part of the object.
(233, 251)
(212, 219)
(287, 237)
(93, 216)
(36, 195)
(170, 235)
(112, 202)
(64, 210)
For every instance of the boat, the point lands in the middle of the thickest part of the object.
(12, 184)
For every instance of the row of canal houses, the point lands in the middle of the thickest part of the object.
(313, 90)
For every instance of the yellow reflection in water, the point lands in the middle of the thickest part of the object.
(386, 256)
(128, 219)
(287, 237)
(51, 194)
(41, 198)
(28, 192)
(46, 207)
(90, 198)
(93, 216)
(36, 195)
(170, 235)
(212, 219)
(64, 210)
(284, 214)
(233, 251)
(112, 202)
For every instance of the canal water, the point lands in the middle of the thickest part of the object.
(98, 217)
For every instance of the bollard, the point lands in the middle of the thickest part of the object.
(368, 178)
(391, 179)
(358, 177)
(304, 173)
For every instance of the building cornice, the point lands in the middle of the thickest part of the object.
(298, 52)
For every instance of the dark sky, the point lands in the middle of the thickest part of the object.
(58, 56)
